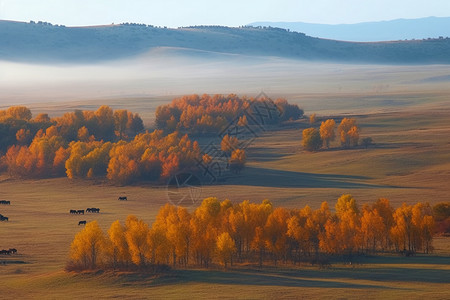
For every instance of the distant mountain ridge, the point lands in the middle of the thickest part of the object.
(43, 42)
(399, 29)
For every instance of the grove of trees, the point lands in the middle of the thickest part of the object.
(87, 144)
(348, 132)
(220, 232)
(211, 114)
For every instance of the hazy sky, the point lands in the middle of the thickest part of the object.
(174, 13)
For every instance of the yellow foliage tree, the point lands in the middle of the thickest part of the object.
(118, 250)
(327, 132)
(136, 234)
(311, 140)
(225, 248)
(348, 132)
(88, 247)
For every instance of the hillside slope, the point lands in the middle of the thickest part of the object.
(45, 43)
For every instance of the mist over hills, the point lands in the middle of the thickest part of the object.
(44, 43)
(400, 29)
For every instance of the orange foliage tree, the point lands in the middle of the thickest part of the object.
(349, 132)
(327, 132)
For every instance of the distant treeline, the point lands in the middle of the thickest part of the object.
(223, 232)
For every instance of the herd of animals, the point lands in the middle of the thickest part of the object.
(8, 252)
(90, 210)
(72, 211)
(2, 217)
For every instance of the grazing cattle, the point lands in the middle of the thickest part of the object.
(6, 202)
(5, 252)
(3, 218)
(88, 209)
(80, 211)
(95, 210)
(81, 223)
(73, 211)
(123, 198)
(12, 250)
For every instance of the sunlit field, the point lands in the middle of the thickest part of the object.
(409, 162)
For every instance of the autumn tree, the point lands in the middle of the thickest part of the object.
(204, 228)
(136, 236)
(422, 227)
(385, 210)
(229, 144)
(105, 120)
(348, 132)
(88, 247)
(225, 248)
(35, 160)
(276, 233)
(19, 112)
(118, 246)
(237, 160)
(42, 118)
(327, 132)
(401, 231)
(373, 229)
(83, 134)
(23, 136)
(311, 139)
(121, 120)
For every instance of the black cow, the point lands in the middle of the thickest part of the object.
(5, 252)
(12, 250)
(124, 198)
(88, 210)
(7, 202)
(80, 211)
(3, 218)
(73, 211)
(95, 210)
(81, 223)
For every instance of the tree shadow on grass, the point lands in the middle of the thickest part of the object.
(255, 278)
(254, 176)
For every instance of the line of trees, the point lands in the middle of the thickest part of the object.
(348, 132)
(223, 232)
(211, 114)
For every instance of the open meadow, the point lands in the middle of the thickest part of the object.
(409, 162)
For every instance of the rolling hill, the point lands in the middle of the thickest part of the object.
(43, 43)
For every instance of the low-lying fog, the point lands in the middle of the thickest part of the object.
(172, 72)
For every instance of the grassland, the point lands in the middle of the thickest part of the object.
(410, 162)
